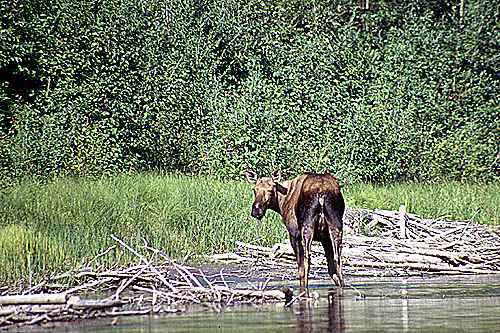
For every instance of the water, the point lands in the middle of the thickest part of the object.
(451, 304)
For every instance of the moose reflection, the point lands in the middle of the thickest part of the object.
(311, 318)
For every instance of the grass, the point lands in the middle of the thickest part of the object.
(456, 201)
(52, 226)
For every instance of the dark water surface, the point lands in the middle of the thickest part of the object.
(433, 304)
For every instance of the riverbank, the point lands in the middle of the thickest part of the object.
(52, 226)
(255, 274)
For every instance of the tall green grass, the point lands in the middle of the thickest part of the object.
(48, 227)
(453, 200)
(53, 226)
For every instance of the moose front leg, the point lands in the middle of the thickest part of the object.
(298, 249)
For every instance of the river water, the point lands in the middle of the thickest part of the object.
(432, 304)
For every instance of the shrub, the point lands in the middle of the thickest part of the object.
(394, 91)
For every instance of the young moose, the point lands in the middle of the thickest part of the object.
(312, 207)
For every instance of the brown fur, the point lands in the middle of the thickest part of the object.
(312, 207)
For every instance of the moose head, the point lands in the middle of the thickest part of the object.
(266, 192)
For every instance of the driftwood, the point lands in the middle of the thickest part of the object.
(34, 299)
(148, 287)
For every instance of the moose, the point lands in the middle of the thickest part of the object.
(311, 207)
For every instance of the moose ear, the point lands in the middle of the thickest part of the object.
(281, 189)
(251, 176)
(276, 175)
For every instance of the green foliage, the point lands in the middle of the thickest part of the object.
(399, 90)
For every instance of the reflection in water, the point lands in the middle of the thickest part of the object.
(308, 320)
(404, 305)
(304, 317)
(335, 311)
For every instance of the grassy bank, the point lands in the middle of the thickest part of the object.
(452, 200)
(49, 227)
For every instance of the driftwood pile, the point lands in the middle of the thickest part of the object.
(402, 243)
(389, 243)
(145, 288)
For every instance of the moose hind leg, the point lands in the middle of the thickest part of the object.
(308, 219)
(334, 222)
(336, 237)
(337, 248)
(330, 258)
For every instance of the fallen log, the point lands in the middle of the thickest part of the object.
(7, 310)
(85, 304)
(59, 298)
(419, 266)
(253, 247)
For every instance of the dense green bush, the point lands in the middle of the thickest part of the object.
(398, 90)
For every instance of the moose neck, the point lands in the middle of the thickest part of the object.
(280, 198)
(274, 203)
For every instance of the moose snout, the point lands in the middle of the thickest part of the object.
(257, 214)
(258, 211)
